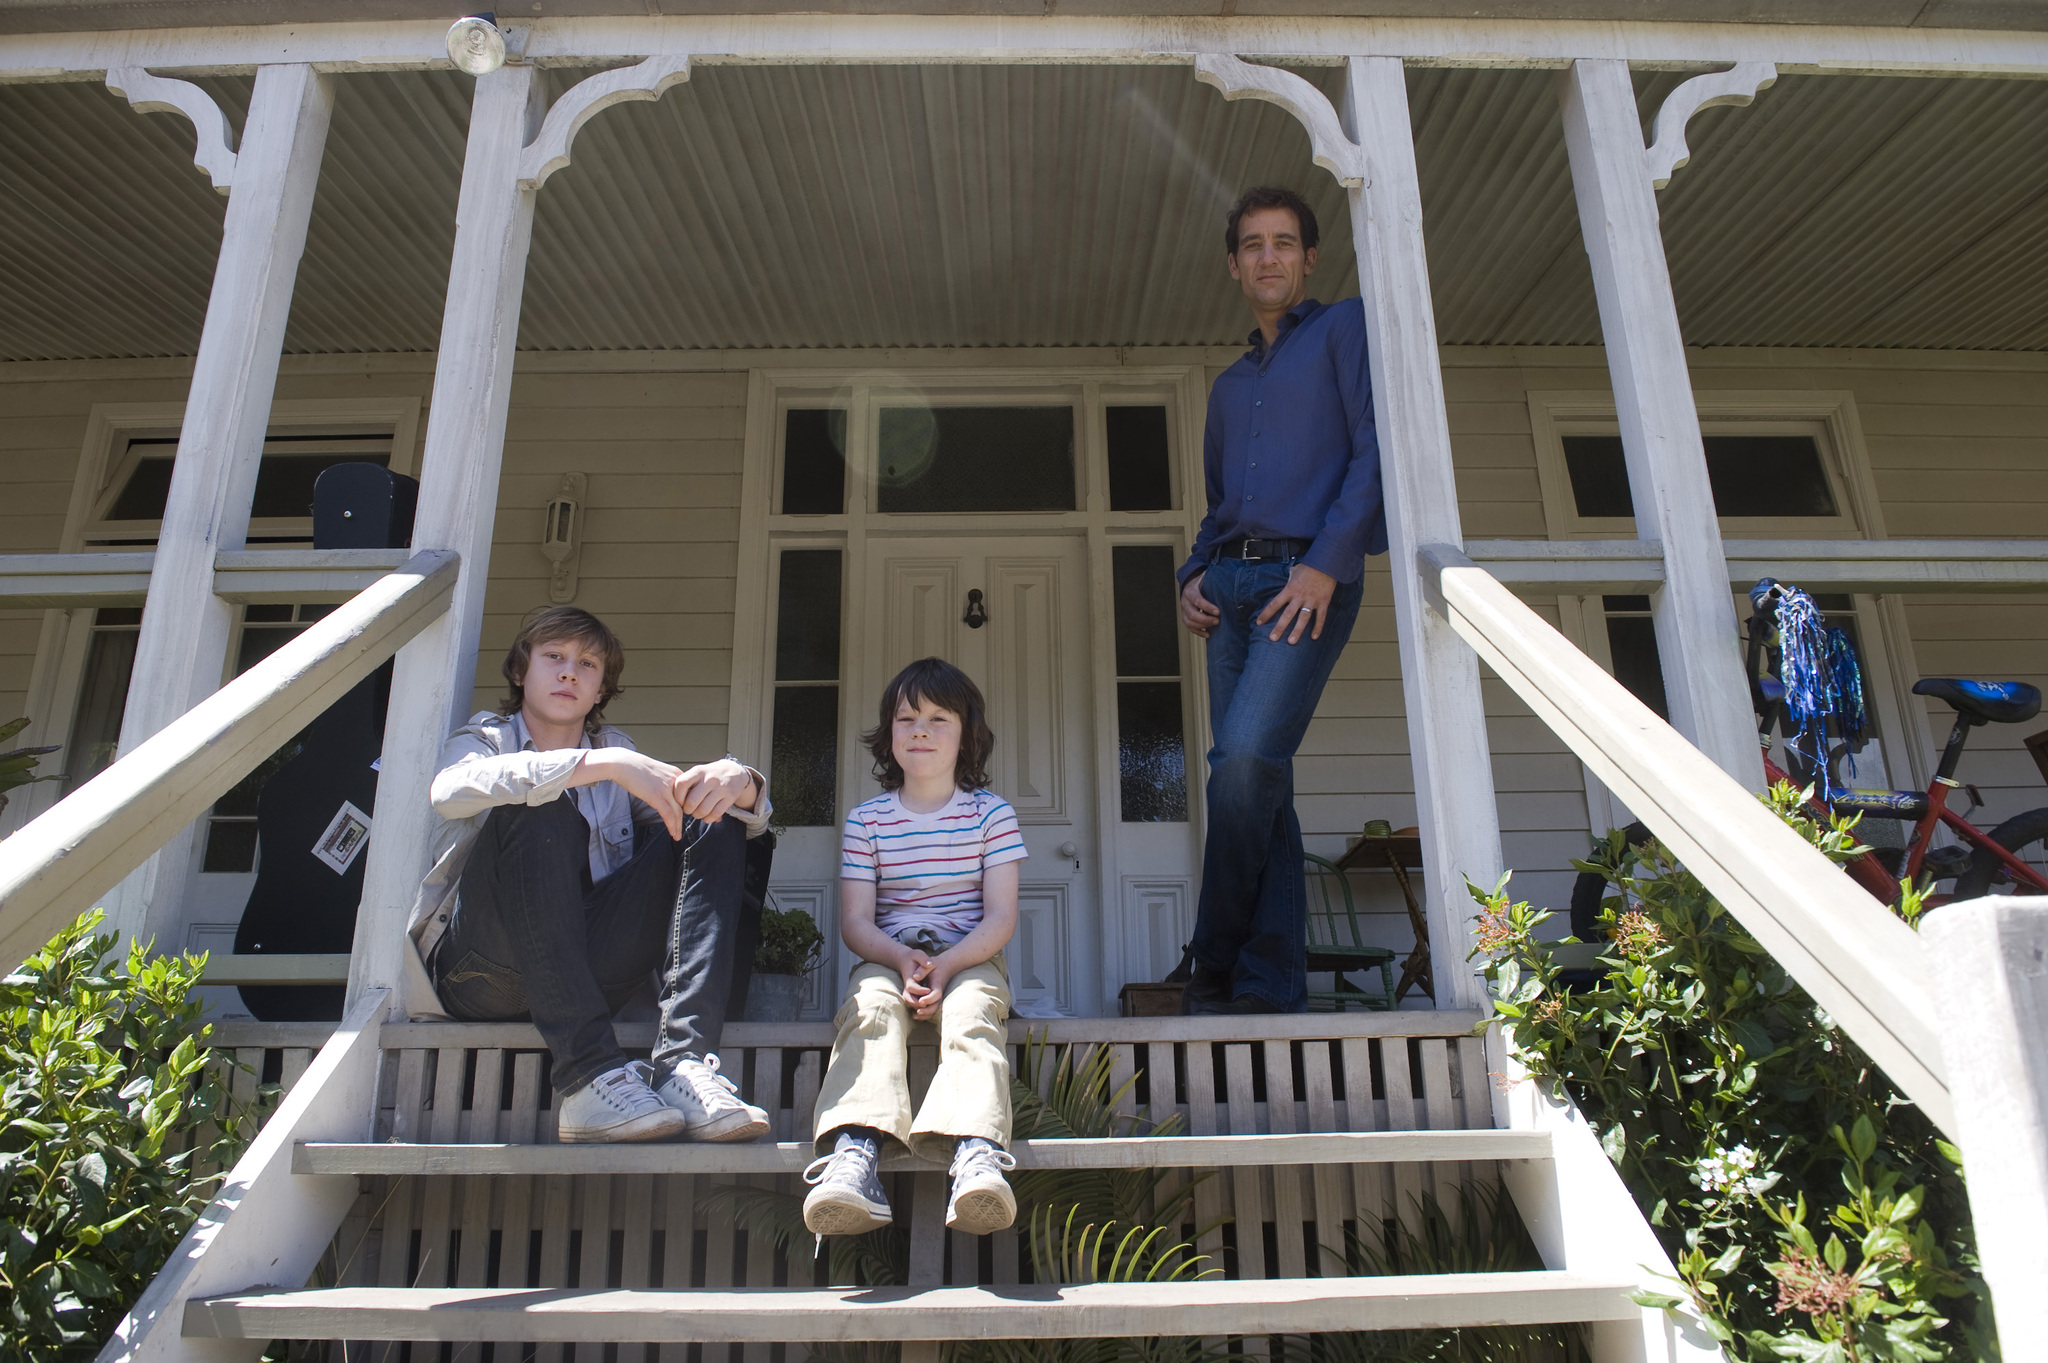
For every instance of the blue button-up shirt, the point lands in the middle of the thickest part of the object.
(1290, 450)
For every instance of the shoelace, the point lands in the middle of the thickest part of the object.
(708, 1083)
(814, 1172)
(617, 1090)
(1003, 1160)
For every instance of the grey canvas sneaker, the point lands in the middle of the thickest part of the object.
(709, 1103)
(982, 1201)
(617, 1106)
(846, 1197)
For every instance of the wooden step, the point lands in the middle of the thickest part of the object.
(789, 1157)
(1211, 1306)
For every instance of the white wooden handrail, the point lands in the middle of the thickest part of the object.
(60, 863)
(1854, 956)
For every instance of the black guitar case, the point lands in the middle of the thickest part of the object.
(310, 847)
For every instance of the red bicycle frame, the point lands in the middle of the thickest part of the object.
(1870, 873)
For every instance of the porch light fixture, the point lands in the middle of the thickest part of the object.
(561, 537)
(475, 45)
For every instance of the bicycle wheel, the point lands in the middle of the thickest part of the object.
(1985, 871)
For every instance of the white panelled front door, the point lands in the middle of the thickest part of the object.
(1030, 658)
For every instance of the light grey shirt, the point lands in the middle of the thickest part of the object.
(492, 761)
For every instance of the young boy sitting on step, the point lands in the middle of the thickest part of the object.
(928, 900)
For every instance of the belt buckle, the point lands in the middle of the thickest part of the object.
(1244, 551)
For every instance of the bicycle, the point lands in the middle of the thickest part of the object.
(1837, 730)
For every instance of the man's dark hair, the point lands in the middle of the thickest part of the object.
(1272, 196)
(946, 686)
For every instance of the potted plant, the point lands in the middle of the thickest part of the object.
(791, 948)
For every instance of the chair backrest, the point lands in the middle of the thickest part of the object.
(1332, 917)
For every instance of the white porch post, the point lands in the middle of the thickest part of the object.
(1660, 425)
(1439, 674)
(182, 652)
(458, 503)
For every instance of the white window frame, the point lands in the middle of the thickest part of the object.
(1830, 416)
(65, 636)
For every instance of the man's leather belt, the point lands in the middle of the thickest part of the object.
(1261, 551)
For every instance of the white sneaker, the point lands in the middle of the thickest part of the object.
(982, 1201)
(617, 1106)
(709, 1103)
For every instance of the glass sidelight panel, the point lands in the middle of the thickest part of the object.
(103, 699)
(1151, 745)
(803, 759)
(932, 459)
(1140, 476)
(813, 462)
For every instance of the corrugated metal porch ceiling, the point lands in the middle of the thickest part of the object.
(990, 205)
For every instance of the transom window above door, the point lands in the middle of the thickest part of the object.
(1057, 448)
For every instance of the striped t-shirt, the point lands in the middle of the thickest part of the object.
(927, 867)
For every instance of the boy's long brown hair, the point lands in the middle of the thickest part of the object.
(548, 623)
(946, 686)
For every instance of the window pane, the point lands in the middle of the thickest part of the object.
(259, 642)
(802, 765)
(96, 728)
(813, 462)
(807, 618)
(284, 482)
(1147, 625)
(1151, 758)
(1139, 479)
(1599, 475)
(1632, 639)
(230, 846)
(975, 459)
(1751, 475)
(1768, 475)
(143, 495)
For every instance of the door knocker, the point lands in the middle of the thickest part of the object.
(977, 614)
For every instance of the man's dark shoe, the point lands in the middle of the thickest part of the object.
(1243, 1003)
(1205, 989)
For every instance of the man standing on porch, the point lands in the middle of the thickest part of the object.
(1291, 463)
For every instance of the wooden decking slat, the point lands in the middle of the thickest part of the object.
(1211, 1306)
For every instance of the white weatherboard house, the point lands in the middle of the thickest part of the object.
(825, 320)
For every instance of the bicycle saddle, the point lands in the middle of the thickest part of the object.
(1989, 702)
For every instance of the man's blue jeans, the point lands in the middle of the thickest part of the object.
(1253, 914)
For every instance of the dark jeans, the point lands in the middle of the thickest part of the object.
(533, 937)
(1253, 914)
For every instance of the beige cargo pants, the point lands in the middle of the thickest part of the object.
(868, 1081)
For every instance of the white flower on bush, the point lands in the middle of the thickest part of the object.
(1732, 1171)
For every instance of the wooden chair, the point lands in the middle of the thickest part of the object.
(1335, 943)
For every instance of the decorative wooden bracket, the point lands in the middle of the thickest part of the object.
(549, 150)
(1330, 148)
(1739, 84)
(162, 95)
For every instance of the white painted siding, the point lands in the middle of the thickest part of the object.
(662, 453)
(1958, 445)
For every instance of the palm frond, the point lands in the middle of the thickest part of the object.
(881, 1258)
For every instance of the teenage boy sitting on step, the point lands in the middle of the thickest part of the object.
(569, 868)
(928, 900)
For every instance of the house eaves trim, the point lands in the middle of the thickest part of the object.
(56, 16)
(978, 39)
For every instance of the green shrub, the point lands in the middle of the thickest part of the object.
(791, 943)
(111, 1121)
(18, 765)
(1731, 1106)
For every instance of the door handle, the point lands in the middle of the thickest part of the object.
(977, 613)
